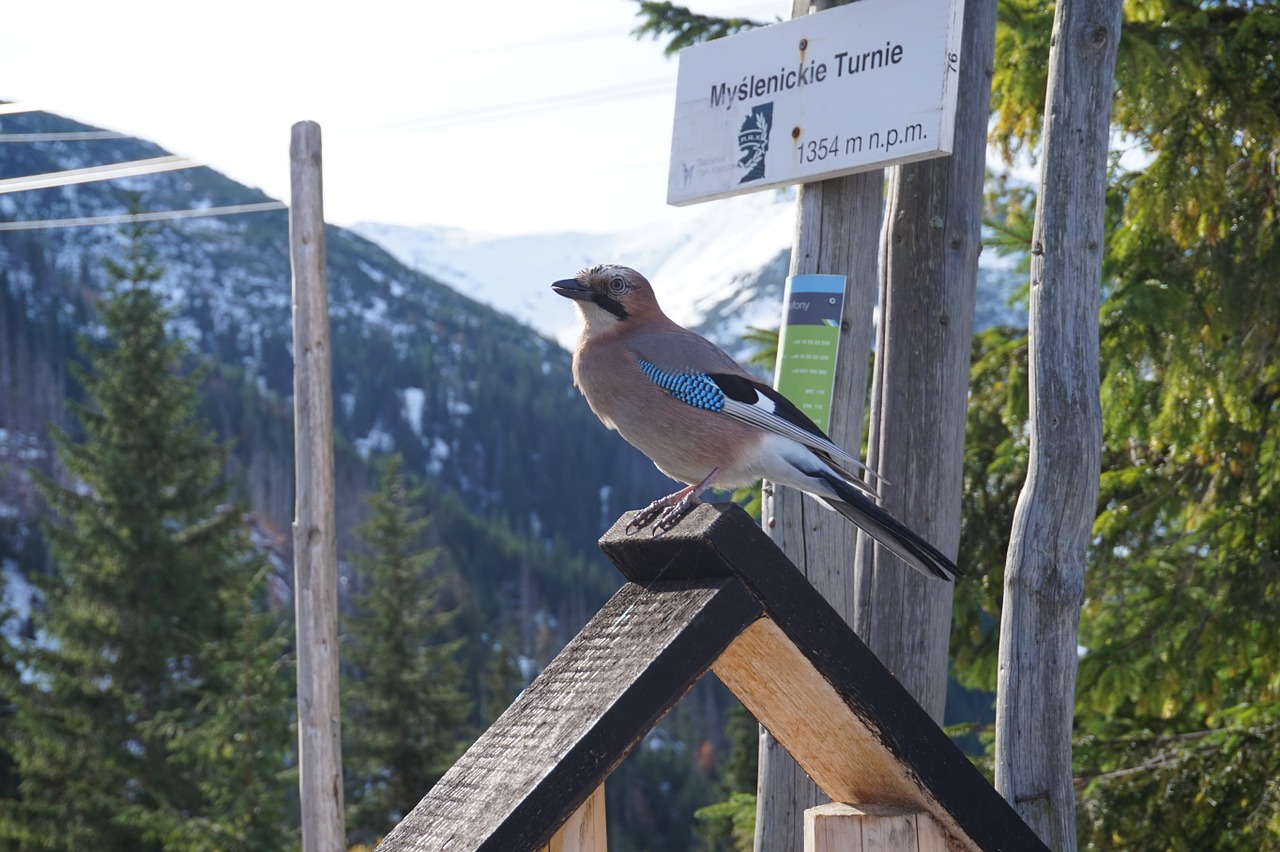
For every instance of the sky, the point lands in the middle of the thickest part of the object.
(507, 117)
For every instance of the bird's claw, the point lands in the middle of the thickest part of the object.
(668, 519)
(645, 515)
(663, 514)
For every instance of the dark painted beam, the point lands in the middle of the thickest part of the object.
(576, 722)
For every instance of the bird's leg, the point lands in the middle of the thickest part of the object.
(656, 508)
(681, 507)
(670, 509)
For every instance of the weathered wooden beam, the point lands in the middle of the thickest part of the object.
(837, 232)
(920, 390)
(575, 723)
(818, 689)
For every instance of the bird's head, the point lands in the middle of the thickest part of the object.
(606, 295)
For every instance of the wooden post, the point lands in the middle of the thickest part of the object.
(932, 238)
(586, 830)
(837, 228)
(871, 828)
(315, 566)
(1044, 572)
(837, 231)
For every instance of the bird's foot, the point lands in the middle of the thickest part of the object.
(646, 515)
(664, 513)
(670, 509)
(672, 514)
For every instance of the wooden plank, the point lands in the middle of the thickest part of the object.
(575, 723)
(829, 666)
(809, 717)
(870, 828)
(585, 831)
(315, 550)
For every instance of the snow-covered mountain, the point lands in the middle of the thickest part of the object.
(719, 273)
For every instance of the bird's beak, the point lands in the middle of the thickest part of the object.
(571, 289)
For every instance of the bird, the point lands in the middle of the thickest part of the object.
(705, 421)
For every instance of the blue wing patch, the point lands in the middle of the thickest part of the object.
(696, 389)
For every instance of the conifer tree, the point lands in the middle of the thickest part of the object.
(683, 26)
(144, 614)
(731, 822)
(234, 744)
(403, 704)
(500, 679)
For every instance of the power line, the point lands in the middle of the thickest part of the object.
(494, 112)
(109, 171)
(158, 216)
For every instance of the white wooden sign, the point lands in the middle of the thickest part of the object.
(848, 89)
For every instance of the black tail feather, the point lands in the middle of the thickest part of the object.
(889, 531)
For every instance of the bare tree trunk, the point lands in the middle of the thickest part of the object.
(1044, 572)
(932, 238)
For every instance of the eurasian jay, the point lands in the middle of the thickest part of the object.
(703, 420)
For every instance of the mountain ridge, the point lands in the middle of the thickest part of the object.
(697, 267)
(719, 274)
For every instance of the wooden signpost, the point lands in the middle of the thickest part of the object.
(836, 94)
(844, 90)
(826, 100)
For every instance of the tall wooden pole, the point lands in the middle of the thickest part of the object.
(315, 564)
(930, 267)
(837, 225)
(837, 228)
(1044, 571)
(931, 242)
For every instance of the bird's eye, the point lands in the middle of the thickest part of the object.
(617, 285)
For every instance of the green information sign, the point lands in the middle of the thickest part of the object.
(807, 343)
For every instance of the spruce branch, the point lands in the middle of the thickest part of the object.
(684, 26)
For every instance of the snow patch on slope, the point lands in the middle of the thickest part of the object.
(694, 266)
(718, 273)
